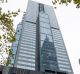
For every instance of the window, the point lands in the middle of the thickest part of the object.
(26, 60)
(25, 67)
(28, 49)
(60, 55)
(64, 66)
(64, 54)
(29, 37)
(43, 36)
(28, 43)
(44, 15)
(17, 36)
(28, 40)
(29, 30)
(28, 52)
(44, 20)
(59, 47)
(14, 49)
(45, 31)
(63, 62)
(25, 55)
(27, 46)
(63, 69)
(42, 24)
(17, 30)
(32, 60)
(62, 59)
(41, 7)
(26, 63)
(29, 33)
(32, 35)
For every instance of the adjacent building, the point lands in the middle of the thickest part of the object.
(39, 44)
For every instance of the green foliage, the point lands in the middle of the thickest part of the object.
(6, 19)
(3, 1)
(8, 36)
(0, 44)
(7, 62)
(61, 1)
(0, 37)
(10, 52)
(11, 37)
(77, 2)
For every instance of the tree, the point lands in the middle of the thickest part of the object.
(7, 35)
(3, 1)
(77, 2)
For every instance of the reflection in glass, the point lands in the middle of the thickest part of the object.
(48, 58)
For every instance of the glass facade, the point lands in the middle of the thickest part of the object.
(39, 41)
(53, 54)
(25, 54)
(27, 47)
(15, 44)
(48, 59)
(62, 57)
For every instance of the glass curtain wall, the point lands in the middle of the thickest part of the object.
(48, 60)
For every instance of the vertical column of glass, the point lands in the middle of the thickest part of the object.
(15, 44)
(44, 27)
(44, 31)
(25, 57)
(47, 50)
(62, 57)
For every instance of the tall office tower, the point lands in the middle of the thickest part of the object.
(39, 45)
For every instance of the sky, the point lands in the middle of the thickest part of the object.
(69, 21)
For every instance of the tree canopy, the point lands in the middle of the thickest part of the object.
(7, 35)
(76, 2)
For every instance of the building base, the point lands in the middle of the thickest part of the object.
(13, 70)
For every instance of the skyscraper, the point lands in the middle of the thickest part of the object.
(39, 45)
